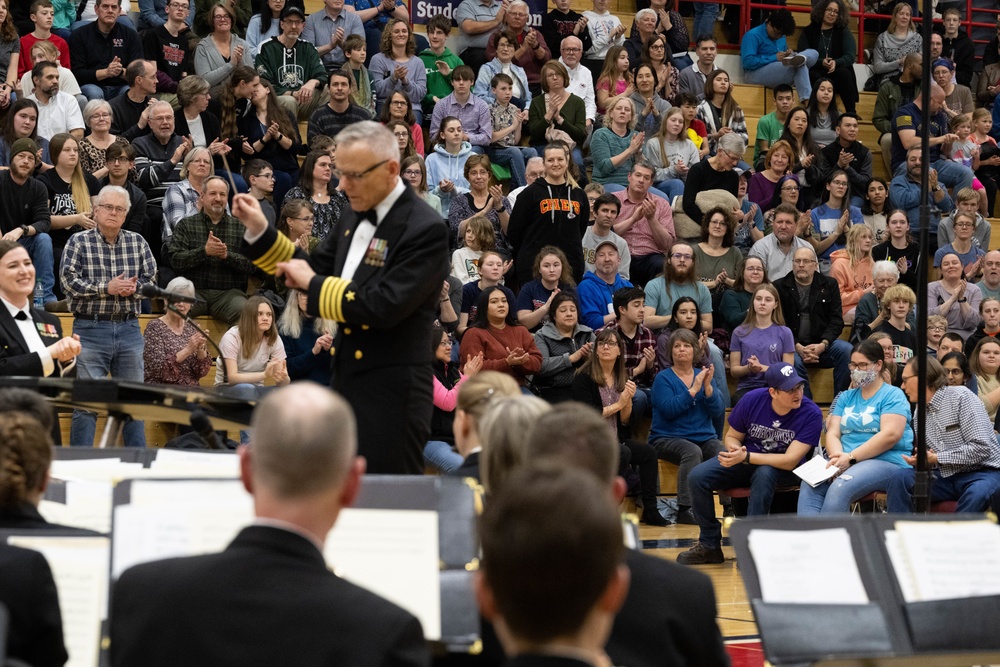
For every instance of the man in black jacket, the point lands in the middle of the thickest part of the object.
(810, 302)
(851, 155)
(101, 51)
(131, 117)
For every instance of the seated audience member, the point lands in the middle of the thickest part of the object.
(715, 257)
(850, 155)
(242, 10)
(772, 430)
(491, 270)
(206, 249)
(564, 344)
(905, 192)
(475, 397)
(414, 171)
(898, 306)
(448, 380)
(985, 364)
(339, 112)
(159, 155)
(69, 190)
(264, 25)
(823, 114)
(867, 435)
(552, 276)
(868, 314)
(900, 248)
(678, 280)
(671, 153)
(557, 112)
(750, 221)
(954, 297)
(404, 139)
(131, 110)
(28, 593)
(58, 112)
(735, 302)
(831, 219)
(296, 222)
(615, 146)
(259, 175)
(175, 351)
(273, 135)
(472, 112)
(964, 247)
(529, 51)
(762, 340)
(484, 198)
(533, 169)
(957, 47)
(658, 88)
(810, 303)
(685, 389)
(958, 99)
(303, 470)
(363, 90)
(852, 269)
(169, 46)
(581, 81)
(397, 68)
(990, 284)
(602, 383)
(778, 249)
(770, 126)
(437, 53)
(327, 29)
(562, 23)
(768, 61)
(875, 208)
(100, 52)
(194, 120)
(506, 346)
(571, 436)
(46, 50)
(966, 201)
(219, 54)
(943, 343)
(24, 213)
(776, 162)
(964, 456)
(596, 290)
(606, 33)
(446, 163)
(720, 112)
(691, 80)
(316, 185)
(613, 78)
(507, 123)
(714, 173)
(893, 93)
(890, 369)
(645, 222)
(989, 311)
(399, 110)
(98, 115)
(299, 85)
(787, 191)
(957, 371)
(640, 344)
(183, 198)
(120, 160)
(502, 432)
(604, 211)
(307, 340)
(41, 14)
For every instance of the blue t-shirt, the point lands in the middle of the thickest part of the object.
(657, 297)
(768, 345)
(533, 296)
(825, 221)
(767, 432)
(470, 295)
(967, 258)
(861, 419)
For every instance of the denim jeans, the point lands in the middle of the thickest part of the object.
(713, 476)
(972, 490)
(772, 74)
(836, 357)
(719, 384)
(673, 187)
(442, 456)
(954, 175)
(611, 188)
(856, 482)
(705, 14)
(94, 92)
(640, 404)
(113, 348)
(245, 391)
(686, 455)
(514, 158)
(39, 249)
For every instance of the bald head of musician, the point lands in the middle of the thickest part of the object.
(302, 466)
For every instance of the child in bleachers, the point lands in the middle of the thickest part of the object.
(762, 340)
(479, 237)
(492, 268)
(446, 163)
(672, 153)
(965, 152)
(694, 128)
(507, 122)
(363, 90)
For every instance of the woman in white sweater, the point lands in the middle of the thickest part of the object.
(893, 45)
(672, 153)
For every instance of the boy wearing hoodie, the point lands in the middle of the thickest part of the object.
(438, 61)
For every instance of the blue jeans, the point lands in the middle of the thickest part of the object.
(39, 249)
(719, 384)
(705, 14)
(611, 188)
(954, 175)
(514, 158)
(686, 455)
(972, 490)
(713, 476)
(772, 74)
(113, 348)
(94, 92)
(673, 187)
(856, 482)
(442, 456)
(640, 403)
(836, 357)
(244, 391)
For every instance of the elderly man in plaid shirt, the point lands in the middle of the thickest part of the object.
(103, 272)
(961, 446)
(640, 344)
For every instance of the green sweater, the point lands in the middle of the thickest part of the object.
(438, 85)
(289, 74)
(574, 116)
(604, 145)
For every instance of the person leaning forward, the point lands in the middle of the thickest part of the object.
(378, 274)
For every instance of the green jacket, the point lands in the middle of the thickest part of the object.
(289, 74)
(890, 98)
(438, 85)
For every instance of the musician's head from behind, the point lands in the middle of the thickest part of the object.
(17, 273)
(367, 163)
(302, 465)
(546, 582)
(25, 456)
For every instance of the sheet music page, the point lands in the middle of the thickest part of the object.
(182, 460)
(950, 560)
(95, 470)
(901, 565)
(88, 505)
(393, 553)
(80, 569)
(815, 471)
(807, 566)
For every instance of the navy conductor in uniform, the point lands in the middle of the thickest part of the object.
(379, 274)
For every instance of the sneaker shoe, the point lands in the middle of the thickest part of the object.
(797, 60)
(687, 518)
(699, 554)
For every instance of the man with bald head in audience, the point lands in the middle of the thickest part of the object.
(990, 284)
(269, 598)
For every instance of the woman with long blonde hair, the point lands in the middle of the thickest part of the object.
(852, 268)
(69, 189)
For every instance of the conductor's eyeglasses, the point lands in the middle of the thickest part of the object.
(356, 175)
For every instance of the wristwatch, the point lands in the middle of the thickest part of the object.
(852, 460)
(25, 230)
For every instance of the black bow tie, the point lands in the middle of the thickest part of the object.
(23, 316)
(368, 215)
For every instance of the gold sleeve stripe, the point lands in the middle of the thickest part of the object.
(282, 251)
(331, 295)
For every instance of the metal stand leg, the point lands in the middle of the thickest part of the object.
(112, 430)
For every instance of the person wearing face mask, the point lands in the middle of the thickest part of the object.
(868, 434)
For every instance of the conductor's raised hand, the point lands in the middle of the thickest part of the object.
(247, 210)
(297, 272)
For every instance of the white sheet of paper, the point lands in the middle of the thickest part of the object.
(901, 565)
(97, 470)
(807, 566)
(815, 471)
(88, 505)
(393, 553)
(949, 560)
(80, 569)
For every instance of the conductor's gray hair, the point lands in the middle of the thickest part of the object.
(377, 137)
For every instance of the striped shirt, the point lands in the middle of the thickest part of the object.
(89, 263)
(959, 432)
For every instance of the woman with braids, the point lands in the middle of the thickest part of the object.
(270, 133)
(25, 456)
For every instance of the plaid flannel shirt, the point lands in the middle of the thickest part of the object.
(187, 253)
(90, 262)
(644, 338)
(960, 433)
